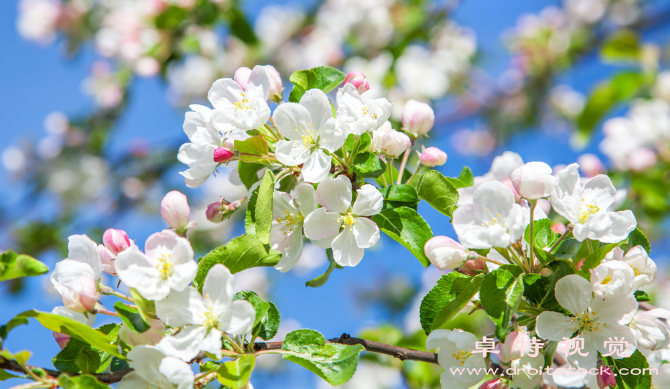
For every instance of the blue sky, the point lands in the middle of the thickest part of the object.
(37, 81)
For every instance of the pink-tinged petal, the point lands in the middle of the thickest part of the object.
(345, 249)
(366, 232)
(321, 224)
(335, 194)
(175, 210)
(369, 201)
(259, 79)
(219, 288)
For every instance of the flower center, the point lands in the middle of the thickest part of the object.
(497, 219)
(310, 136)
(209, 320)
(290, 222)
(606, 280)
(165, 266)
(366, 111)
(243, 104)
(462, 356)
(586, 323)
(588, 210)
(347, 220)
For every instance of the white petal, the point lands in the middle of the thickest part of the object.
(493, 200)
(224, 91)
(366, 232)
(146, 360)
(259, 83)
(589, 360)
(291, 153)
(325, 243)
(623, 223)
(566, 196)
(292, 120)
(317, 104)
(615, 309)
(219, 288)
(317, 166)
(573, 292)
(321, 224)
(133, 380)
(291, 249)
(335, 194)
(139, 271)
(184, 266)
(437, 338)
(369, 201)
(185, 345)
(471, 233)
(181, 308)
(599, 191)
(345, 249)
(177, 372)
(613, 332)
(331, 136)
(554, 326)
(306, 198)
(242, 320)
(81, 248)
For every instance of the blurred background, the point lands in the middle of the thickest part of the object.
(93, 94)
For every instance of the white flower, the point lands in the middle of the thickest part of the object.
(154, 370)
(586, 207)
(288, 218)
(167, 264)
(533, 180)
(175, 211)
(339, 225)
(245, 109)
(76, 277)
(445, 253)
(595, 319)
(516, 345)
(638, 259)
(206, 317)
(612, 278)
(456, 351)
(492, 220)
(357, 114)
(87, 319)
(528, 374)
(311, 132)
(651, 329)
(150, 337)
(394, 143)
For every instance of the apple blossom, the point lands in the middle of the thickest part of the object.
(492, 220)
(176, 212)
(378, 137)
(595, 320)
(445, 253)
(417, 118)
(357, 79)
(312, 135)
(394, 143)
(116, 240)
(528, 371)
(150, 337)
(612, 278)
(432, 156)
(533, 180)
(585, 206)
(243, 109)
(516, 345)
(456, 351)
(205, 316)
(222, 155)
(76, 277)
(495, 383)
(605, 378)
(651, 329)
(638, 259)
(243, 74)
(87, 319)
(338, 224)
(288, 218)
(357, 115)
(155, 370)
(219, 211)
(167, 265)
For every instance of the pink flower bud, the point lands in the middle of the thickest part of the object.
(605, 378)
(545, 272)
(533, 180)
(107, 258)
(473, 267)
(516, 345)
(496, 383)
(222, 154)
(242, 77)
(84, 298)
(61, 339)
(276, 86)
(222, 210)
(116, 240)
(357, 79)
(175, 210)
(445, 253)
(417, 117)
(591, 165)
(394, 143)
(559, 228)
(433, 156)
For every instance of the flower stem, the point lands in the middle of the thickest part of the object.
(532, 203)
(405, 157)
(416, 171)
(558, 242)
(234, 343)
(100, 309)
(389, 167)
(110, 292)
(485, 259)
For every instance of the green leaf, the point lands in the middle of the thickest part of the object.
(13, 265)
(263, 207)
(79, 356)
(638, 238)
(628, 380)
(256, 145)
(400, 195)
(87, 360)
(131, 317)
(500, 296)
(323, 278)
(641, 295)
(437, 191)
(296, 93)
(303, 80)
(464, 180)
(65, 360)
(568, 249)
(334, 362)
(593, 260)
(540, 290)
(267, 318)
(5, 376)
(606, 96)
(406, 227)
(543, 236)
(368, 165)
(235, 374)
(452, 292)
(242, 252)
(146, 308)
(6, 328)
(363, 143)
(328, 78)
(623, 45)
(249, 172)
(80, 382)
(75, 329)
(240, 27)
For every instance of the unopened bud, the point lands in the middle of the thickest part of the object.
(517, 344)
(116, 240)
(222, 154)
(61, 339)
(496, 383)
(276, 86)
(545, 272)
(433, 156)
(242, 77)
(445, 253)
(107, 259)
(605, 378)
(222, 210)
(559, 228)
(473, 267)
(175, 210)
(417, 117)
(394, 143)
(357, 79)
(84, 298)
(533, 180)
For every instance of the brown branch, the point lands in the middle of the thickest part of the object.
(105, 378)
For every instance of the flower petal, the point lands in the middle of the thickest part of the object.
(321, 224)
(139, 271)
(554, 326)
(317, 166)
(146, 360)
(291, 249)
(335, 194)
(218, 289)
(566, 196)
(623, 223)
(615, 309)
(291, 153)
(178, 373)
(224, 91)
(366, 232)
(317, 104)
(345, 249)
(181, 308)
(306, 198)
(185, 345)
(82, 249)
(574, 293)
(242, 319)
(369, 201)
(292, 120)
